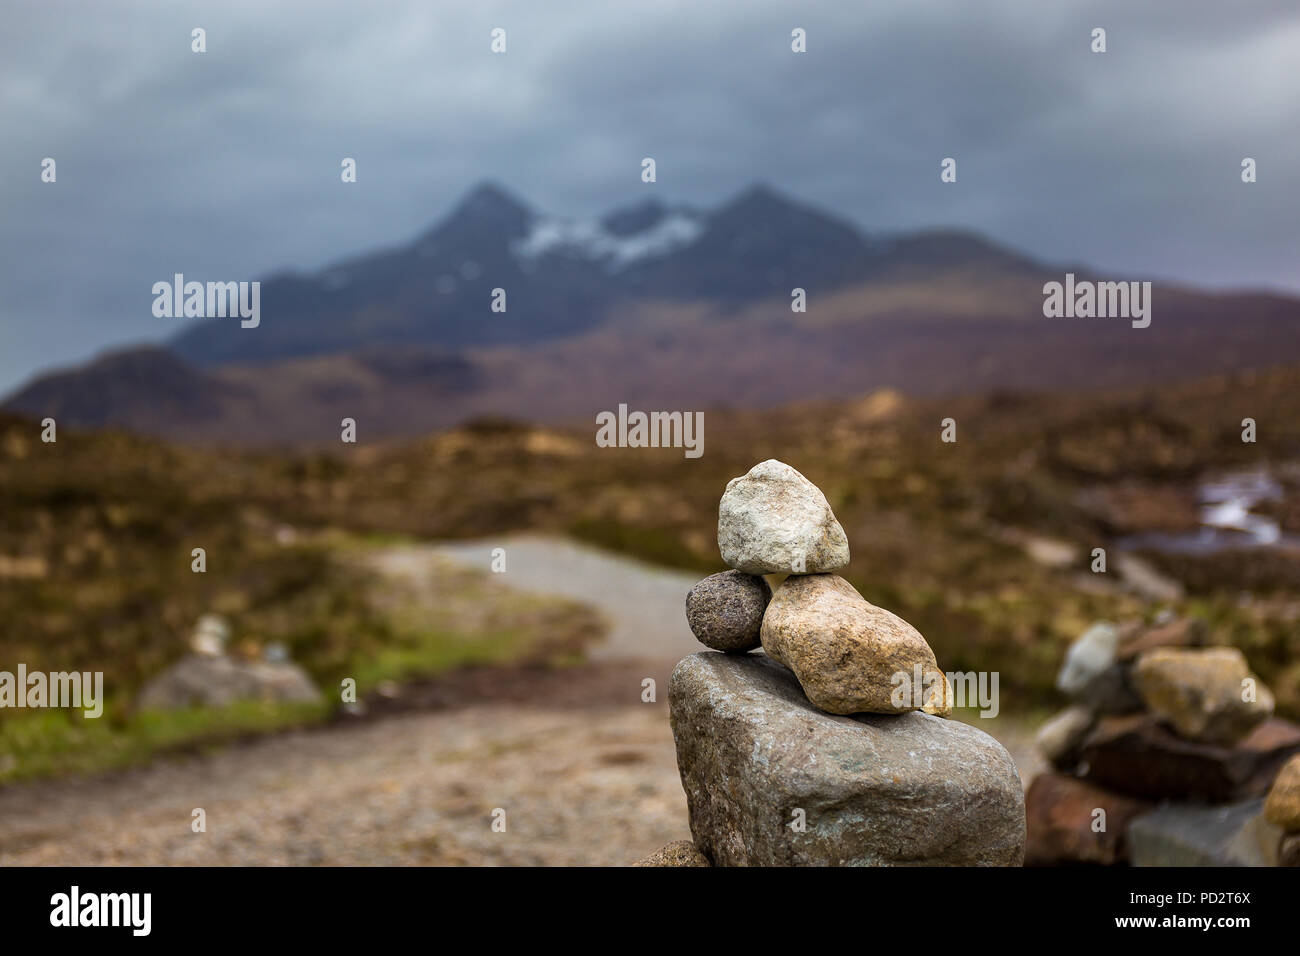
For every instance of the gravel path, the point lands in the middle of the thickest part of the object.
(644, 605)
(589, 786)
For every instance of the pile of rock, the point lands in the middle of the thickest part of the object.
(1164, 757)
(829, 747)
(209, 677)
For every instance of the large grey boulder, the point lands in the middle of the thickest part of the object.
(199, 680)
(773, 520)
(771, 780)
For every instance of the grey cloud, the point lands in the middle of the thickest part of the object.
(226, 164)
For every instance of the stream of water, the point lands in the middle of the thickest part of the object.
(1227, 520)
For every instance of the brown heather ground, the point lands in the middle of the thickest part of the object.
(982, 544)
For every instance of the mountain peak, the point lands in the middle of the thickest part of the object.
(760, 209)
(760, 196)
(488, 207)
(492, 195)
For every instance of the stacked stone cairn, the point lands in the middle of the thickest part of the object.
(829, 746)
(210, 677)
(1164, 756)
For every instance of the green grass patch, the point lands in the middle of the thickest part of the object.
(49, 742)
(431, 652)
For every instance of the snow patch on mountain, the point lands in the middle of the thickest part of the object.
(589, 239)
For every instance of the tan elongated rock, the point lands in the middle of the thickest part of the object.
(849, 655)
(1199, 692)
(773, 520)
(937, 695)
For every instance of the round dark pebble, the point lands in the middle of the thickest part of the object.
(725, 611)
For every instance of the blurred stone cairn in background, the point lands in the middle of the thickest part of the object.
(1165, 756)
(829, 748)
(210, 677)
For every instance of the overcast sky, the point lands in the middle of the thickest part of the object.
(225, 165)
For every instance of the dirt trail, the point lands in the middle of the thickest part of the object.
(578, 787)
(583, 768)
(643, 604)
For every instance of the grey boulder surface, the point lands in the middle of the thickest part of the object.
(773, 520)
(756, 758)
(1196, 835)
(208, 681)
(725, 611)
